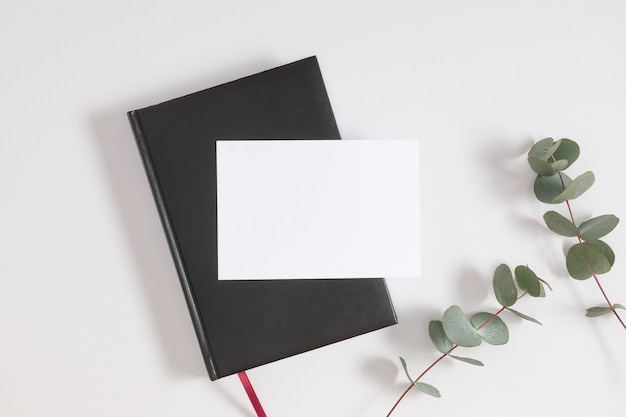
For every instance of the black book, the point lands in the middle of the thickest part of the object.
(244, 324)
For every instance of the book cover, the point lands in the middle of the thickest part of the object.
(244, 324)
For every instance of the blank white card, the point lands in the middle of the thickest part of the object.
(330, 209)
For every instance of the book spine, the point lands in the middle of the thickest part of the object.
(157, 193)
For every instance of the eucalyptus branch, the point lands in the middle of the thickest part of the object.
(455, 329)
(589, 256)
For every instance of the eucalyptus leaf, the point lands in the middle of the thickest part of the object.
(598, 227)
(467, 360)
(427, 389)
(543, 149)
(422, 386)
(574, 190)
(459, 329)
(548, 188)
(528, 280)
(542, 167)
(503, 286)
(560, 224)
(494, 332)
(544, 282)
(438, 336)
(542, 292)
(601, 311)
(604, 249)
(598, 311)
(406, 371)
(584, 260)
(567, 150)
(543, 285)
(523, 316)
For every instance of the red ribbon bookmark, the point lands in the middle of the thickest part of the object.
(243, 377)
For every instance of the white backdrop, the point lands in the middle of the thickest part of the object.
(92, 318)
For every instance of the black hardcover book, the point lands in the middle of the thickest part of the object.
(244, 324)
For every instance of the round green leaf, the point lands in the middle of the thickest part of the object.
(548, 188)
(560, 224)
(458, 328)
(438, 336)
(542, 292)
(604, 249)
(584, 260)
(574, 190)
(542, 167)
(494, 332)
(542, 285)
(543, 149)
(568, 150)
(528, 280)
(503, 286)
(597, 227)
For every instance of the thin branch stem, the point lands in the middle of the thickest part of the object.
(432, 365)
(406, 391)
(609, 302)
(580, 242)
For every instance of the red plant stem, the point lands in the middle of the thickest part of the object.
(609, 302)
(595, 277)
(432, 365)
(406, 391)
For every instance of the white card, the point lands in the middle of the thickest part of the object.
(330, 209)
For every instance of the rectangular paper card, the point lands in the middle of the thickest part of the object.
(326, 209)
